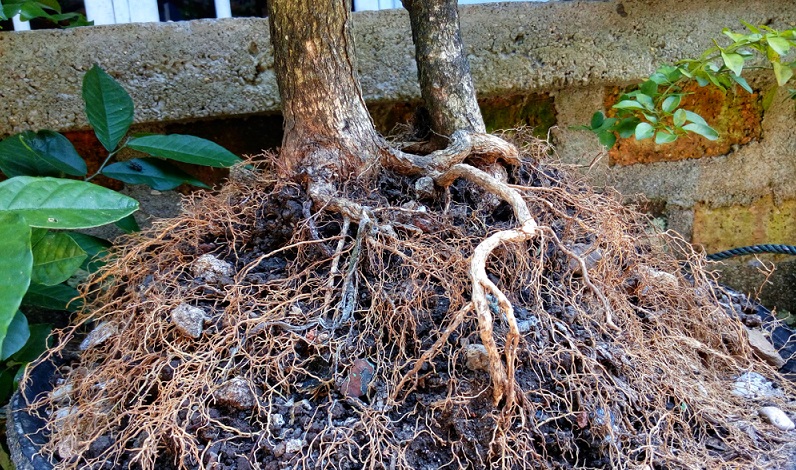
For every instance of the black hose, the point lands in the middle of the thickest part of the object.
(753, 250)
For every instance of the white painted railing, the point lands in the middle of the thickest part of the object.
(141, 11)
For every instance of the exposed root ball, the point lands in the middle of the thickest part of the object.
(320, 342)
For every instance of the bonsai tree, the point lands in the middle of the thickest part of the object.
(361, 305)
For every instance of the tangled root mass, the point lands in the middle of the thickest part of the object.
(324, 343)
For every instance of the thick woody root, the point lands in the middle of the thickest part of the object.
(363, 348)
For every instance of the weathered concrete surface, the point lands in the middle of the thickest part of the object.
(533, 63)
(215, 68)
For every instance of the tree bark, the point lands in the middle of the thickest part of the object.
(442, 68)
(329, 134)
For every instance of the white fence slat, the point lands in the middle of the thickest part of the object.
(362, 5)
(223, 9)
(143, 11)
(20, 25)
(100, 11)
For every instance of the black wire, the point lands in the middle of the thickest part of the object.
(753, 250)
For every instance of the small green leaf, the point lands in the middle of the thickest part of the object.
(37, 343)
(30, 10)
(768, 97)
(56, 258)
(646, 101)
(750, 27)
(16, 263)
(664, 137)
(659, 78)
(651, 118)
(733, 62)
(607, 138)
(649, 88)
(671, 103)
(16, 336)
(644, 131)
(703, 130)
(736, 37)
(679, 117)
(63, 204)
(782, 72)
(741, 81)
(185, 148)
(597, 120)
(58, 297)
(628, 104)
(701, 80)
(95, 247)
(108, 107)
(627, 127)
(695, 118)
(128, 224)
(156, 174)
(779, 44)
(43, 153)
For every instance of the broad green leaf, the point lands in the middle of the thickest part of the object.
(659, 78)
(649, 88)
(16, 263)
(781, 45)
(782, 72)
(63, 204)
(701, 80)
(154, 173)
(644, 131)
(56, 258)
(607, 138)
(36, 345)
(703, 130)
(679, 117)
(95, 247)
(16, 336)
(671, 103)
(768, 98)
(695, 118)
(58, 297)
(7, 386)
(741, 81)
(185, 148)
(733, 62)
(628, 104)
(646, 101)
(651, 118)
(3, 16)
(128, 224)
(108, 107)
(750, 27)
(43, 153)
(30, 10)
(736, 37)
(664, 137)
(597, 120)
(627, 127)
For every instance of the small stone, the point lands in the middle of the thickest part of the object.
(236, 393)
(424, 187)
(591, 256)
(99, 335)
(189, 320)
(752, 385)
(277, 421)
(763, 348)
(211, 269)
(777, 417)
(475, 357)
(293, 446)
(359, 377)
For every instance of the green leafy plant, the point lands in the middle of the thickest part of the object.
(652, 109)
(40, 204)
(46, 9)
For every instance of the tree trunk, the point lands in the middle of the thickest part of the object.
(442, 68)
(329, 135)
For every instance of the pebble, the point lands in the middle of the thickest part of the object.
(424, 187)
(189, 320)
(763, 348)
(212, 270)
(777, 417)
(475, 357)
(99, 335)
(754, 386)
(359, 377)
(293, 446)
(236, 393)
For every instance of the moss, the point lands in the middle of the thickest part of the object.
(507, 112)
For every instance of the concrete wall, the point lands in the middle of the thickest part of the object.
(550, 64)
